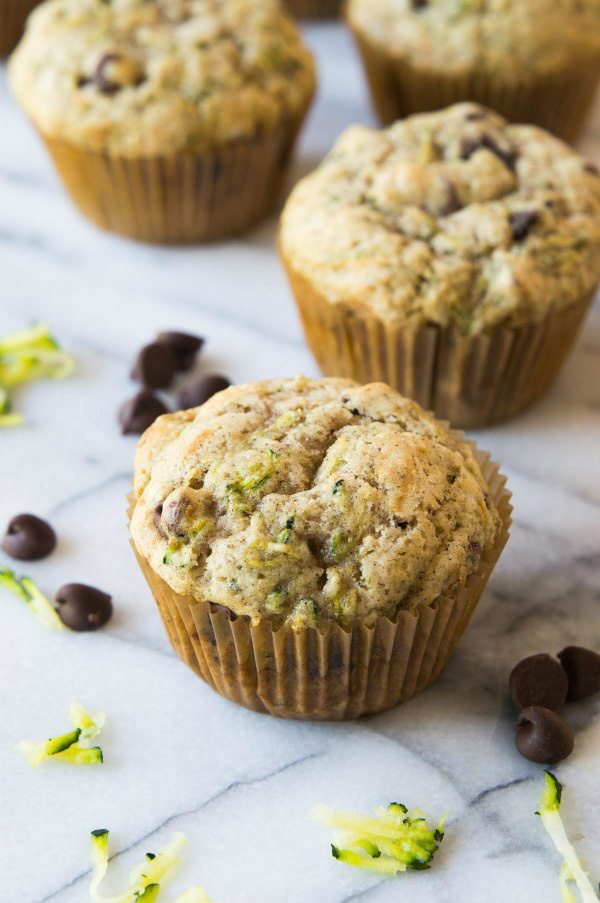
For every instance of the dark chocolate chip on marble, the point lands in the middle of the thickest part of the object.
(28, 538)
(583, 671)
(155, 366)
(538, 680)
(83, 607)
(543, 736)
(470, 145)
(200, 390)
(521, 222)
(140, 412)
(184, 345)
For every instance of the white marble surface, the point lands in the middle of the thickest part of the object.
(177, 756)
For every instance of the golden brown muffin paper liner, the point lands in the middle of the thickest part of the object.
(327, 673)
(13, 16)
(559, 102)
(183, 198)
(471, 381)
(314, 9)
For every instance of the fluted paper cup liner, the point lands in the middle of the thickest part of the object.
(13, 16)
(471, 381)
(186, 197)
(558, 102)
(314, 9)
(332, 673)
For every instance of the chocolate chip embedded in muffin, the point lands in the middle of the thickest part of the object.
(113, 73)
(470, 146)
(521, 222)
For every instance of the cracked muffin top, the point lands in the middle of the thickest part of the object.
(452, 218)
(158, 76)
(309, 501)
(499, 37)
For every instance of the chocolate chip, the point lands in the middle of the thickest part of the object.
(452, 202)
(140, 412)
(200, 390)
(83, 607)
(28, 538)
(157, 517)
(184, 345)
(592, 169)
(419, 4)
(476, 115)
(125, 73)
(583, 671)
(543, 736)
(521, 222)
(470, 145)
(538, 680)
(155, 366)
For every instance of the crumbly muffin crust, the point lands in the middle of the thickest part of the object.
(514, 40)
(310, 500)
(454, 217)
(149, 77)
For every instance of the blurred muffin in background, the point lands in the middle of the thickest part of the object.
(453, 256)
(169, 121)
(534, 61)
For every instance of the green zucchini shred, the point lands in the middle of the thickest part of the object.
(28, 592)
(25, 356)
(571, 871)
(394, 841)
(146, 879)
(67, 747)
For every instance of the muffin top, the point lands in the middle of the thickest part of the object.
(157, 76)
(452, 218)
(308, 501)
(515, 38)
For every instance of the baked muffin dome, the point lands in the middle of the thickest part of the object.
(451, 218)
(310, 501)
(538, 37)
(151, 77)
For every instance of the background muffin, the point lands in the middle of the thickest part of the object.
(452, 255)
(167, 121)
(314, 9)
(299, 504)
(534, 61)
(12, 22)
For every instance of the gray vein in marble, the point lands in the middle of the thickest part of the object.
(89, 491)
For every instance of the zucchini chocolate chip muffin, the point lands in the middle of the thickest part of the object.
(315, 547)
(452, 255)
(533, 61)
(169, 120)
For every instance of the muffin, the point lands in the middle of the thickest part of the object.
(12, 22)
(452, 255)
(533, 61)
(168, 120)
(314, 9)
(315, 547)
